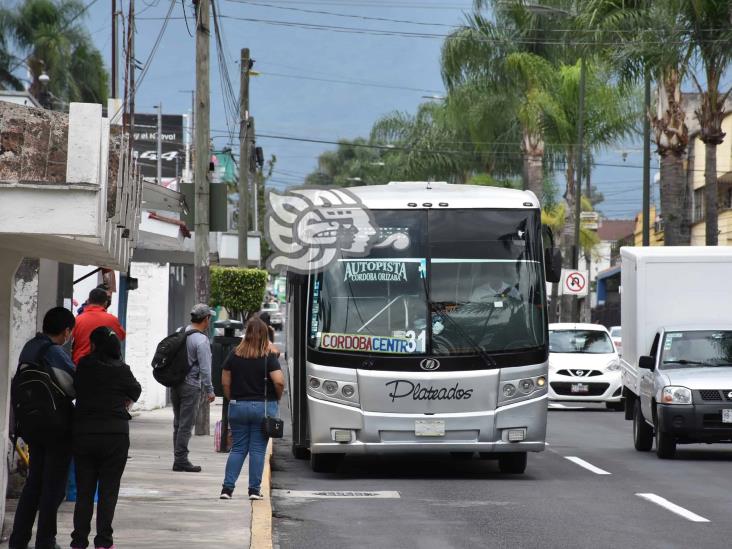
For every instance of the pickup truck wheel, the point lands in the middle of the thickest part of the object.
(628, 403)
(300, 452)
(642, 432)
(665, 444)
(512, 464)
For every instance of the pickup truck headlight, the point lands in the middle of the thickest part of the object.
(676, 395)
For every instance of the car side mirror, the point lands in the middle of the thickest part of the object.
(647, 363)
(553, 264)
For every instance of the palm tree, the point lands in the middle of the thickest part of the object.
(508, 59)
(643, 36)
(7, 59)
(50, 38)
(429, 144)
(710, 28)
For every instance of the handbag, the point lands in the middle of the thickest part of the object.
(272, 427)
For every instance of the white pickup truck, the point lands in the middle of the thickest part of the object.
(676, 311)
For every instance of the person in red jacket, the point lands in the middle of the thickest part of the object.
(95, 315)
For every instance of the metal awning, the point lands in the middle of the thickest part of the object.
(157, 197)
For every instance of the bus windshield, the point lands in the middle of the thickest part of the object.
(467, 282)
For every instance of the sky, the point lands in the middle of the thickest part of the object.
(295, 94)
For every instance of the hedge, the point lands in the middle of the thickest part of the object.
(240, 290)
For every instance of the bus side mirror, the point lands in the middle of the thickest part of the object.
(647, 363)
(553, 264)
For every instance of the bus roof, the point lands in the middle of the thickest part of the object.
(422, 195)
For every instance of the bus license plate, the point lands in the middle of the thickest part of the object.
(727, 416)
(429, 428)
(580, 388)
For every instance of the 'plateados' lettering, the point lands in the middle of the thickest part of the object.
(401, 388)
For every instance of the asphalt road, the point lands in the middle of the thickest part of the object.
(591, 500)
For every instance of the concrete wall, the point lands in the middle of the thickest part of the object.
(147, 324)
(25, 315)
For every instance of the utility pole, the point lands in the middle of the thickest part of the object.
(113, 90)
(201, 182)
(647, 162)
(578, 182)
(243, 223)
(254, 171)
(159, 143)
(131, 60)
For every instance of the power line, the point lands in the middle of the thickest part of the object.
(350, 82)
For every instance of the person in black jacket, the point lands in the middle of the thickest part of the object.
(105, 388)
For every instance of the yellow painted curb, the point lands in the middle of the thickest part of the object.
(261, 531)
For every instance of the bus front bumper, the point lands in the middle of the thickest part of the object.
(384, 433)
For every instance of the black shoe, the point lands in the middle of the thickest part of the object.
(187, 468)
(255, 494)
(226, 493)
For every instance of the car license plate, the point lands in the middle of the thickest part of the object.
(429, 428)
(727, 416)
(580, 388)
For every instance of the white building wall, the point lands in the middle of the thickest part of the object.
(147, 324)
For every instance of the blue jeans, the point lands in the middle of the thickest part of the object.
(245, 422)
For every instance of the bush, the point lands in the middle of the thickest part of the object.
(240, 290)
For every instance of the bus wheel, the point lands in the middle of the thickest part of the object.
(299, 452)
(325, 463)
(512, 464)
(461, 455)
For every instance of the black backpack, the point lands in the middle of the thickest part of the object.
(170, 363)
(41, 408)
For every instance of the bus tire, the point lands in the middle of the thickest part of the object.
(300, 452)
(512, 464)
(642, 432)
(325, 463)
(461, 455)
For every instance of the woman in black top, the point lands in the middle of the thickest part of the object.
(105, 388)
(243, 381)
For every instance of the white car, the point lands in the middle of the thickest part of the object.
(616, 336)
(275, 316)
(584, 365)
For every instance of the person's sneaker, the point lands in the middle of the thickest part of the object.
(226, 492)
(187, 468)
(255, 494)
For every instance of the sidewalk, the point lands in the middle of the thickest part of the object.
(162, 509)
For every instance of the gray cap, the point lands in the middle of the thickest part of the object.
(201, 310)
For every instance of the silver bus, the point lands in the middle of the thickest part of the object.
(435, 339)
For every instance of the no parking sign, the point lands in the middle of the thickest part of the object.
(574, 282)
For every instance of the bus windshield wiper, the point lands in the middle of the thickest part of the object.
(685, 362)
(487, 359)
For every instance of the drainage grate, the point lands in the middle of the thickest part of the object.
(342, 494)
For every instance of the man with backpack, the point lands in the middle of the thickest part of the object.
(41, 394)
(186, 395)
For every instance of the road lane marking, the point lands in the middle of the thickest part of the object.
(582, 463)
(340, 494)
(666, 504)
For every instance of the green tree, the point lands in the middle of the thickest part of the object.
(709, 24)
(7, 59)
(48, 34)
(642, 37)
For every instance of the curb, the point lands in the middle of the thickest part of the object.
(261, 529)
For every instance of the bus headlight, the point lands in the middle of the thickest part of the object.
(330, 387)
(314, 383)
(509, 390)
(348, 391)
(526, 386)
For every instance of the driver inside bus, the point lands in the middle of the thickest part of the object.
(496, 287)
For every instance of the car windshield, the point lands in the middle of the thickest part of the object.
(696, 348)
(580, 341)
(615, 332)
(270, 307)
(463, 282)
